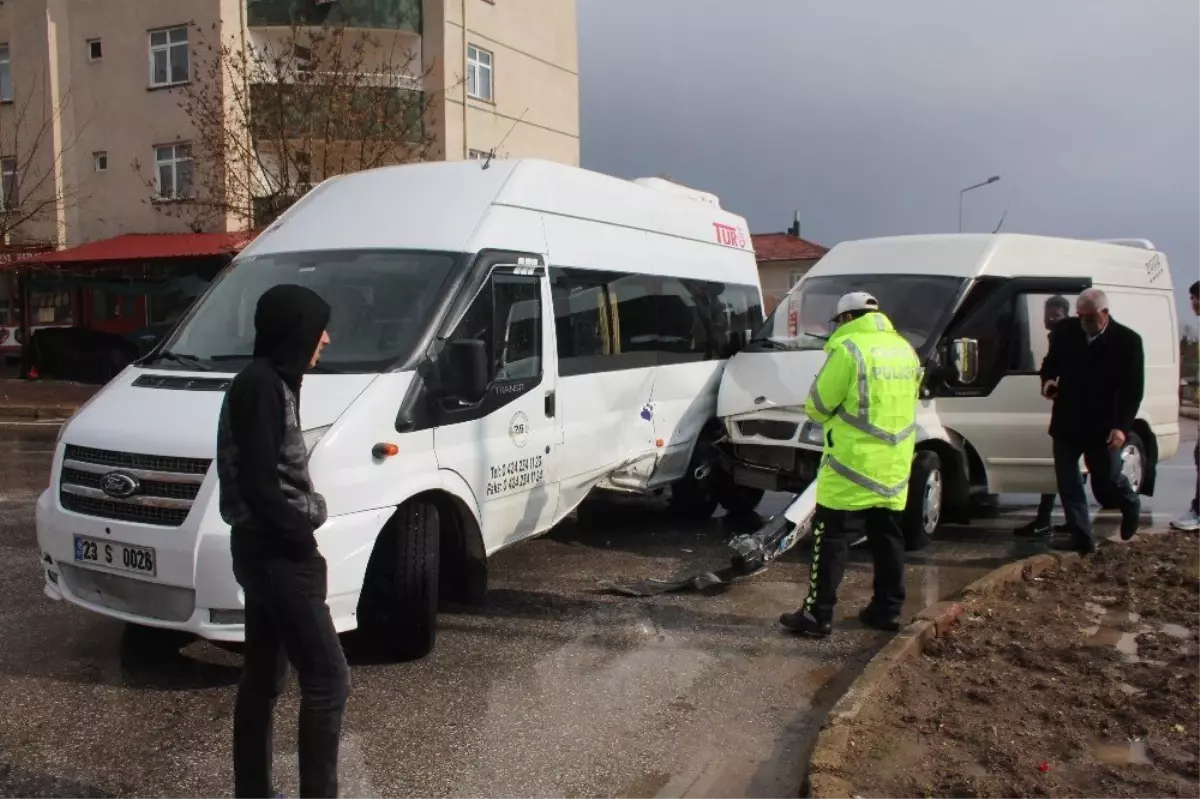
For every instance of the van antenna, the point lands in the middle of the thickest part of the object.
(492, 152)
(1003, 216)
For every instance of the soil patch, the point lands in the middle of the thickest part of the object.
(1079, 682)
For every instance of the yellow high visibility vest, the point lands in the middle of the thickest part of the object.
(865, 398)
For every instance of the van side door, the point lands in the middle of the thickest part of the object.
(1002, 414)
(504, 442)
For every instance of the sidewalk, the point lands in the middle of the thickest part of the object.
(33, 400)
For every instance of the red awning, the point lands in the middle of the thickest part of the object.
(149, 247)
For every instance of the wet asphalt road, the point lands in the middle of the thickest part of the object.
(553, 690)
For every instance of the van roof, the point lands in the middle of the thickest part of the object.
(439, 205)
(1000, 255)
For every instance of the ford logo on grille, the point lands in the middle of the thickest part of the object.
(119, 485)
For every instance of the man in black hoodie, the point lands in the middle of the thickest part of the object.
(267, 498)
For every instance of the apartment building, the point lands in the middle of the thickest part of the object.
(99, 83)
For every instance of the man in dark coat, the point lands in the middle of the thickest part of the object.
(268, 500)
(1095, 374)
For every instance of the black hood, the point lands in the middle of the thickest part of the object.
(288, 324)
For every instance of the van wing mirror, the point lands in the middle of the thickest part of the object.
(465, 370)
(965, 355)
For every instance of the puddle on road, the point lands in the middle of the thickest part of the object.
(1120, 629)
(1132, 753)
(1177, 631)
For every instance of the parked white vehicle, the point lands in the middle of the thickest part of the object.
(972, 306)
(518, 334)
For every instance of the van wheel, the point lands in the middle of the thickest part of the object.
(694, 496)
(926, 490)
(1133, 466)
(398, 610)
(737, 499)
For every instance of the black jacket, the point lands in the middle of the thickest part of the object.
(267, 497)
(1100, 385)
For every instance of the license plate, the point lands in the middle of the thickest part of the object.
(111, 555)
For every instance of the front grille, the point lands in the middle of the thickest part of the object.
(128, 460)
(775, 457)
(150, 488)
(163, 488)
(769, 428)
(123, 512)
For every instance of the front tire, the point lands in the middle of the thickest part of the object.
(695, 497)
(926, 492)
(398, 611)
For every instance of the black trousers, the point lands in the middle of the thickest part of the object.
(1104, 470)
(287, 620)
(1196, 496)
(831, 549)
(1046, 508)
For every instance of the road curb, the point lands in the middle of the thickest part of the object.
(27, 413)
(834, 750)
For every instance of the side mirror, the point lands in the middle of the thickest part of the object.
(465, 370)
(965, 354)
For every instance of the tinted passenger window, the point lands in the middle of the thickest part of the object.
(581, 318)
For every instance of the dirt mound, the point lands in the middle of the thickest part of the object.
(1080, 682)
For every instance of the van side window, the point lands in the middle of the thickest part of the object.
(507, 316)
(1034, 317)
(613, 320)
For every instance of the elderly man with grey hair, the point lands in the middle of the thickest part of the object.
(1095, 375)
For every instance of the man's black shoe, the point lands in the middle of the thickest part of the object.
(1082, 546)
(872, 618)
(804, 623)
(1129, 520)
(1035, 529)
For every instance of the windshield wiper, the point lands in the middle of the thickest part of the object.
(770, 343)
(190, 361)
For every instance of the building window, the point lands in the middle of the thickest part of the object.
(169, 57)
(174, 171)
(479, 73)
(6, 84)
(796, 275)
(100, 159)
(8, 183)
(95, 50)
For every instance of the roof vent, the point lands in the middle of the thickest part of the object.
(665, 186)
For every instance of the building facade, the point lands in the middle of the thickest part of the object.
(783, 259)
(94, 139)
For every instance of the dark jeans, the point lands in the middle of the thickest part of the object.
(831, 547)
(287, 620)
(1196, 496)
(1104, 470)
(1046, 508)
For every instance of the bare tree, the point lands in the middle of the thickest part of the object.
(35, 141)
(272, 119)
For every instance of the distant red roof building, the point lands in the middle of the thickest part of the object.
(785, 247)
(149, 247)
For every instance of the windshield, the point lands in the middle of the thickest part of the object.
(380, 300)
(914, 303)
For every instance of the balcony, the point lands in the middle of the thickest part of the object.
(402, 15)
(324, 115)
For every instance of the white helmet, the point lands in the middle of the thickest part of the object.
(856, 301)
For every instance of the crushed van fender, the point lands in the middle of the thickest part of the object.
(752, 553)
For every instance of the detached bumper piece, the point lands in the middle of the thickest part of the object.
(752, 553)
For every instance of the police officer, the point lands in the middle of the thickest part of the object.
(866, 399)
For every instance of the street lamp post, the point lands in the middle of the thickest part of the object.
(987, 182)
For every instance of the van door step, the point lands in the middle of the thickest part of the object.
(752, 553)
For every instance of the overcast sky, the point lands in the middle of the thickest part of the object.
(869, 117)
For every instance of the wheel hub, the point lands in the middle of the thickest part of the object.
(931, 506)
